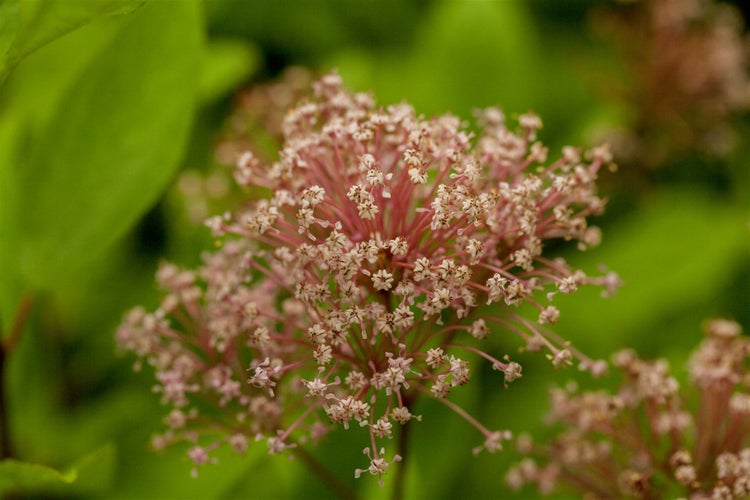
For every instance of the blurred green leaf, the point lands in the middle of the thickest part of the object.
(674, 254)
(465, 55)
(435, 442)
(29, 100)
(226, 65)
(301, 27)
(92, 473)
(15, 475)
(147, 474)
(113, 145)
(32, 93)
(11, 287)
(26, 25)
(95, 471)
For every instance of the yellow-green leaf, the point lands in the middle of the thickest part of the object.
(26, 25)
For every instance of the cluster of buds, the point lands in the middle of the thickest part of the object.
(385, 249)
(688, 66)
(645, 441)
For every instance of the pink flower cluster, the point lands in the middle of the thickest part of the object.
(647, 440)
(385, 247)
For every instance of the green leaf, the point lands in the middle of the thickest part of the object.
(113, 145)
(147, 474)
(15, 476)
(92, 473)
(674, 254)
(32, 93)
(464, 55)
(95, 471)
(227, 64)
(11, 287)
(26, 25)
(28, 100)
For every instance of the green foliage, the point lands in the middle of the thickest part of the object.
(461, 58)
(28, 477)
(94, 126)
(26, 25)
(107, 152)
(124, 134)
(307, 32)
(227, 64)
(675, 253)
(89, 475)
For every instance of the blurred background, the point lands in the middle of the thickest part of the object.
(117, 115)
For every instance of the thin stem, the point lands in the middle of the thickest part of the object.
(399, 479)
(5, 447)
(335, 484)
(7, 345)
(19, 323)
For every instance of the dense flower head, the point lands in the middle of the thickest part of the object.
(646, 440)
(385, 249)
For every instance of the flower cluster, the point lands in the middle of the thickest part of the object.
(644, 441)
(688, 73)
(362, 278)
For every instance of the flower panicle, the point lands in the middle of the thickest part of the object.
(387, 246)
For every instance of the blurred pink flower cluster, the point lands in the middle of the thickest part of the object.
(687, 74)
(652, 439)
